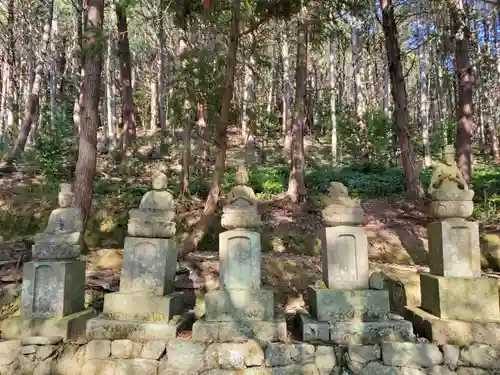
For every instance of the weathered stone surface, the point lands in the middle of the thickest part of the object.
(241, 213)
(149, 266)
(411, 354)
(295, 370)
(103, 328)
(257, 371)
(135, 306)
(52, 289)
(12, 369)
(341, 209)
(472, 371)
(451, 354)
(313, 330)
(371, 333)
(364, 353)
(261, 331)
(454, 248)
(42, 340)
(98, 349)
(344, 254)
(45, 351)
(44, 368)
(186, 355)
(71, 360)
(479, 355)
(216, 372)
(303, 353)
(122, 349)
(151, 224)
(239, 252)
(28, 349)
(378, 368)
(238, 356)
(278, 354)
(137, 366)
(9, 351)
(458, 298)
(99, 367)
(348, 305)
(325, 359)
(153, 349)
(27, 364)
(228, 305)
(439, 370)
(443, 331)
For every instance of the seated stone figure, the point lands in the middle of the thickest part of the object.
(451, 197)
(341, 209)
(241, 204)
(156, 212)
(241, 189)
(63, 235)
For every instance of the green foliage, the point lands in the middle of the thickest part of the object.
(265, 181)
(54, 153)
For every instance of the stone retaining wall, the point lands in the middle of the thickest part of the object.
(44, 356)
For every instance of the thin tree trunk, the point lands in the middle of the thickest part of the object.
(128, 107)
(414, 187)
(32, 108)
(465, 82)
(296, 181)
(154, 104)
(186, 152)
(333, 94)
(162, 113)
(424, 105)
(220, 137)
(287, 90)
(87, 151)
(111, 94)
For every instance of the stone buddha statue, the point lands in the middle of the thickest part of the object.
(341, 209)
(450, 195)
(62, 237)
(156, 212)
(241, 210)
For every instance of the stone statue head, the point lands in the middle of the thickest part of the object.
(159, 181)
(241, 176)
(449, 155)
(337, 190)
(65, 196)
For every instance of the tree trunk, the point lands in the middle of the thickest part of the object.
(414, 187)
(333, 94)
(111, 94)
(87, 150)
(296, 181)
(424, 105)
(32, 108)
(287, 90)
(186, 151)
(162, 113)
(220, 137)
(465, 82)
(128, 108)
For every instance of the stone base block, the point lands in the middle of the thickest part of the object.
(52, 289)
(149, 266)
(460, 298)
(261, 331)
(443, 331)
(312, 330)
(128, 306)
(229, 305)
(104, 328)
(371, 333)
(350, 305)
(68, 327)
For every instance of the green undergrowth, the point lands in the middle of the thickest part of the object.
(26, 206)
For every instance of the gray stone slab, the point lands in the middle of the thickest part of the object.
(460, 298)
(52, 289)
(149, 266)
(370, 333)
(344, 254)
(68, 327)
(102, 328)
(239, 252)
(135, 306)
(454, 248)
(455, 332)
(261, 331)
(348, 305)
(234, 304)
(312, 330)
